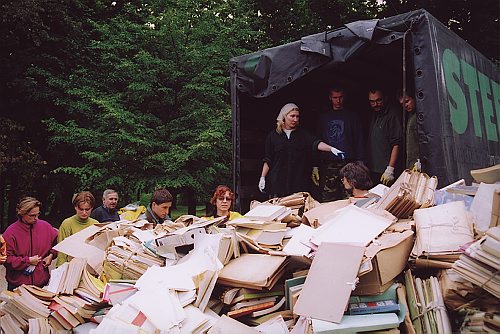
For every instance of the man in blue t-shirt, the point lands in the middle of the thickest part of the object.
(340, 128)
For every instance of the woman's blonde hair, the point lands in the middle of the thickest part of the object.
(26, 204)
(285, 110)
(83, 197)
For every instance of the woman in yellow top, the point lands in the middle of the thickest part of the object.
(83, 203)
(222, 200)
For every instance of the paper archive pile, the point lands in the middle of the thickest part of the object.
(351, 247)
(412, 190)
(339, 271)
(69, 300)
(480, 263)
(426, 305)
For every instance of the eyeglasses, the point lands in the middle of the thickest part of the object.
(34, 215)
(229, 199)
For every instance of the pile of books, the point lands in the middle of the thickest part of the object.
(60, 312)
(23, 305)
(480, 262)
(66, 278)
(244, 302)
(298, 204)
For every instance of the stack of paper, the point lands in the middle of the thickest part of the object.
(37, 326)
(268, 212)
(21, 305)
(66, 278)
(261, 236)
(459, 292)
(299, 203)
(412, 190)
(127, 259)
(9, 324)
(481, 262)
(90, 287)
(441, 232)
(426, 305)
(253, 271)
(477, 321)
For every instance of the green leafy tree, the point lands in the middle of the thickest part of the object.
(152, 109)
(20, 168)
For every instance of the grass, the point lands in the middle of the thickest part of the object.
(183, 209)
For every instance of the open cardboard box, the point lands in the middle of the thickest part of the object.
(389, 254)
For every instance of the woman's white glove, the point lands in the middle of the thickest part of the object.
(337, 152)
(262, 184)
(388, 176)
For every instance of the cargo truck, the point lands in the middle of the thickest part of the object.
(457, 92)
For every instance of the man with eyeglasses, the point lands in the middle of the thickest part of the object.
(385, 137)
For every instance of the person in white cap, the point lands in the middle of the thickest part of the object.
(288, 155)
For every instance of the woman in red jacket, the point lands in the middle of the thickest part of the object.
(29, 246)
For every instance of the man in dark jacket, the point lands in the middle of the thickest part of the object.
(107, 212)
(386, 137)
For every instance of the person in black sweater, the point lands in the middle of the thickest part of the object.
(108, 211)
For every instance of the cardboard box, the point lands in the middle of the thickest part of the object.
(495, 213)
(389, 254)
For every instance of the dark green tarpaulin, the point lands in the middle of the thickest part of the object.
(457, 90)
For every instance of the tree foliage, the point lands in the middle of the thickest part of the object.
(134, 94)
(153, 109)
(476, 22)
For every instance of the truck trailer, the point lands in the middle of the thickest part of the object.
(456, 88)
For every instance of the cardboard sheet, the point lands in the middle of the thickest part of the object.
(352, 225)
(75, 246)
(330, 281)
